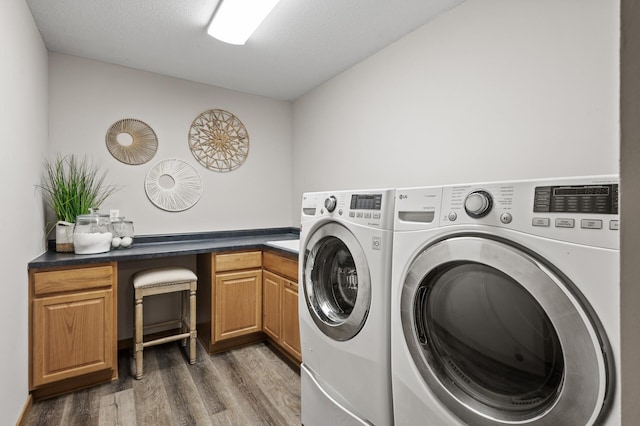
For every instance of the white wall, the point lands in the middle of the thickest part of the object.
(492, 90)
(86, 97)
(23, 126)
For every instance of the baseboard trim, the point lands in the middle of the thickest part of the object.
(24, 415)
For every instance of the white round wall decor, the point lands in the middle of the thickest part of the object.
(131, 141)
(173, 185)
(219, 140)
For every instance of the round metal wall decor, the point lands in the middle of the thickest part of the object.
(219, 140)
(173, 185)
(131, 141)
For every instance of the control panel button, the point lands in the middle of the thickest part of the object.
(591, 224)
(478, 204)
(367, 215)
(340, 212)
(565, 223)
(358, 214)
(541, 221)
(352, 214)
(377, 216)
(506, 218)
(453, 216)
(614, 225)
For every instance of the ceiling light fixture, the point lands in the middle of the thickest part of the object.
(235, 20)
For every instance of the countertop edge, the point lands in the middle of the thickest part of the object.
(150, 247)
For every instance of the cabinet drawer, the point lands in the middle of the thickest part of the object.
(283, 266)
(72, 279)
(236, 261)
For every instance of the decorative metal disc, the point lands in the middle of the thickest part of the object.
(219, 140)
(173, 185)
(143, 141)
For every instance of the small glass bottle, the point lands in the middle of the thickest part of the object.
(122, 234)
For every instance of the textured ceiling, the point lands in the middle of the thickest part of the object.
(300, 45)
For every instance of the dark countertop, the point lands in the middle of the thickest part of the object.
(155, 246)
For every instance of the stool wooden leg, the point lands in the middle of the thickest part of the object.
(183, 317)
(192, 324)
(138, 342)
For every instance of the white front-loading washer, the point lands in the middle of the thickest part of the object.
(345, 286)
(505, 303)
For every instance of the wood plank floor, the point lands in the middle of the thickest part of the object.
(245, 386)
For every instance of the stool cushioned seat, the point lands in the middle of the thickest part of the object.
(163, 276)
(165, 280)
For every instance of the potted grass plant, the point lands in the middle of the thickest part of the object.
(72, 186)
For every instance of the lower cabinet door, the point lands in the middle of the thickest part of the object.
(72, 335)
(238, 305)
(271, 309)
(290, 339)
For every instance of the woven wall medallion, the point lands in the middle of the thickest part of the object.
(219, 140)
(131, 141)
(173, 185)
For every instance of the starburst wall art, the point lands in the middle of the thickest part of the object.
(219, 140)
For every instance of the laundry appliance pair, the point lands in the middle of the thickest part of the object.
(482, 304)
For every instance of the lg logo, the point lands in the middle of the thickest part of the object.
(403, 196)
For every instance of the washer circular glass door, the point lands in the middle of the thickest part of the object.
(499, 337)
(337, 283)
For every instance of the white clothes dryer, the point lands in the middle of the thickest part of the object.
(505, 303)
(345, 286)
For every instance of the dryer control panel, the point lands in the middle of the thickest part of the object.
(579, 210)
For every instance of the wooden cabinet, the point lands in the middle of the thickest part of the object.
(271, 313)
(238, 304)
(280, 302)
(229, 298)
(73, 326)
(290, 325)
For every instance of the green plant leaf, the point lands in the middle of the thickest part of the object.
(73, 185)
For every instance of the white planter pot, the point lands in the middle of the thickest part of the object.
(64, 237)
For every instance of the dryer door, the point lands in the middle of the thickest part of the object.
(502, 339)
(337, 283)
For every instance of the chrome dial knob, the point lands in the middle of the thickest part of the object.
(330, 203)
(478, 203)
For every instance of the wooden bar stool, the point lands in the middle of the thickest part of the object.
(161, 281)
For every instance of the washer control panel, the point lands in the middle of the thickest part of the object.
(371, 208)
